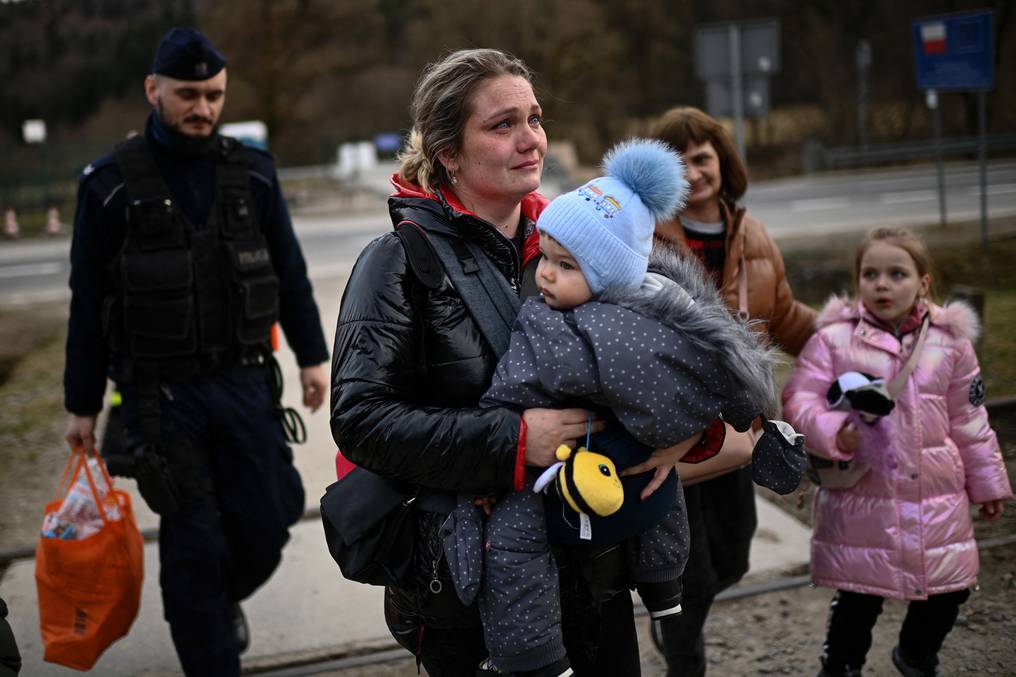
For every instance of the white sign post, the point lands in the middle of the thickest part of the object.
(736, 61)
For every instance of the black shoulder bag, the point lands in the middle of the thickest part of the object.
(368, 520)
(368, 528)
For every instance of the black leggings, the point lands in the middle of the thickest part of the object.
(684, 643)
(852, 616)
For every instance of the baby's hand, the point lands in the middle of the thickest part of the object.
(992, 510)
(486, 503)
(848, 439)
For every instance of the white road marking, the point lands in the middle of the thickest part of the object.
(819, 204)
(998, 189)
(907, 197)
(30, 270)
(32, 298)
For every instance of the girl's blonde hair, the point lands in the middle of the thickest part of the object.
(905, 239)
(442, 102)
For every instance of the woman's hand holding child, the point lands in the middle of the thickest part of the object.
(547, 429)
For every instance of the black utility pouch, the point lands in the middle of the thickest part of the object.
(151, 470)
(155, 482)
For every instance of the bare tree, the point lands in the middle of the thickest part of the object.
(280, 51)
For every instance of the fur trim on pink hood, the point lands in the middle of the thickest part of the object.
(957, 317)
(904, 530)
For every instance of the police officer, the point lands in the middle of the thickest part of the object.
(182, 259)
(10, 658)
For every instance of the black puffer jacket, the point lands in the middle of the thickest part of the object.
(409, 364)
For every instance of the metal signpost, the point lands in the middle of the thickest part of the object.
(735, 61)
(955, 52)
(862, 57)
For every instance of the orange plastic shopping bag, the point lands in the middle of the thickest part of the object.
(89, 566)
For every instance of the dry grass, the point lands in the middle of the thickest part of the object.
(23, 330)
(32, 420)
(998, 347)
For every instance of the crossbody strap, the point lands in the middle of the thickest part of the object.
(733, 218)
(487, 295)
(899, 382)
(742, 290)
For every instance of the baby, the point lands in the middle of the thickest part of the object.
(657, 352)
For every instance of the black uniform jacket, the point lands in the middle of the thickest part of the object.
(99, 230)
(410, 365)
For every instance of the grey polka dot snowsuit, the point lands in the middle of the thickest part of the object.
(665, 361)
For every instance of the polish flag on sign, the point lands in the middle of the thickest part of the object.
(933, 37)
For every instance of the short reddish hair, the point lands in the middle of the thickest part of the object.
(684, 124)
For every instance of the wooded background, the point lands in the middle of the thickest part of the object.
(320, 72)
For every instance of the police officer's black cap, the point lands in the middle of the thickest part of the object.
(186, 54)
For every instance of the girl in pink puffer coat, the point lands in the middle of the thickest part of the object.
(904, 531)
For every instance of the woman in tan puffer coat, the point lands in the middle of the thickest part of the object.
(747, 268)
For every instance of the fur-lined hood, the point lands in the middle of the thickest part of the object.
(677, 294)
(956, 317)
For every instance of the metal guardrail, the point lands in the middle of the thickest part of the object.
(818, 157)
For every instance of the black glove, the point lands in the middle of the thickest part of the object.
(778, 460)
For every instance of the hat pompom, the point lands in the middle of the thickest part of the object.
(653, 171)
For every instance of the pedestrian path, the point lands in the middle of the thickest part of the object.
(307, 609)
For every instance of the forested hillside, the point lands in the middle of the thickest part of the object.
(320, 72)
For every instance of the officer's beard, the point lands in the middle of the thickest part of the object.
(186, 143)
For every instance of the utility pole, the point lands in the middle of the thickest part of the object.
(734, 42)
(863, 57)
(735, 61)
(931, 97)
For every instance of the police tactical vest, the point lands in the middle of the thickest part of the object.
(189, 299)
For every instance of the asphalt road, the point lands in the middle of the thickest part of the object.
(37, 271)
(842, 201)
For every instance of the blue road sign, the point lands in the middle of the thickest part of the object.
(955, 51)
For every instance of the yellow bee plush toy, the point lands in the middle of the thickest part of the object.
(585, 480)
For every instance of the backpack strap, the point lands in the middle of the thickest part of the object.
(742, 290)
(153, 222)
(234, 201)
(485, 292)
(422, 259)
(140, 174)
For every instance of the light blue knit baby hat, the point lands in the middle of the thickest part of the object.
(607, 224)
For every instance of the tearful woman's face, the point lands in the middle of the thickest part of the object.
(503, 144)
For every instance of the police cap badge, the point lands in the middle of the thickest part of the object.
(186, 54)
